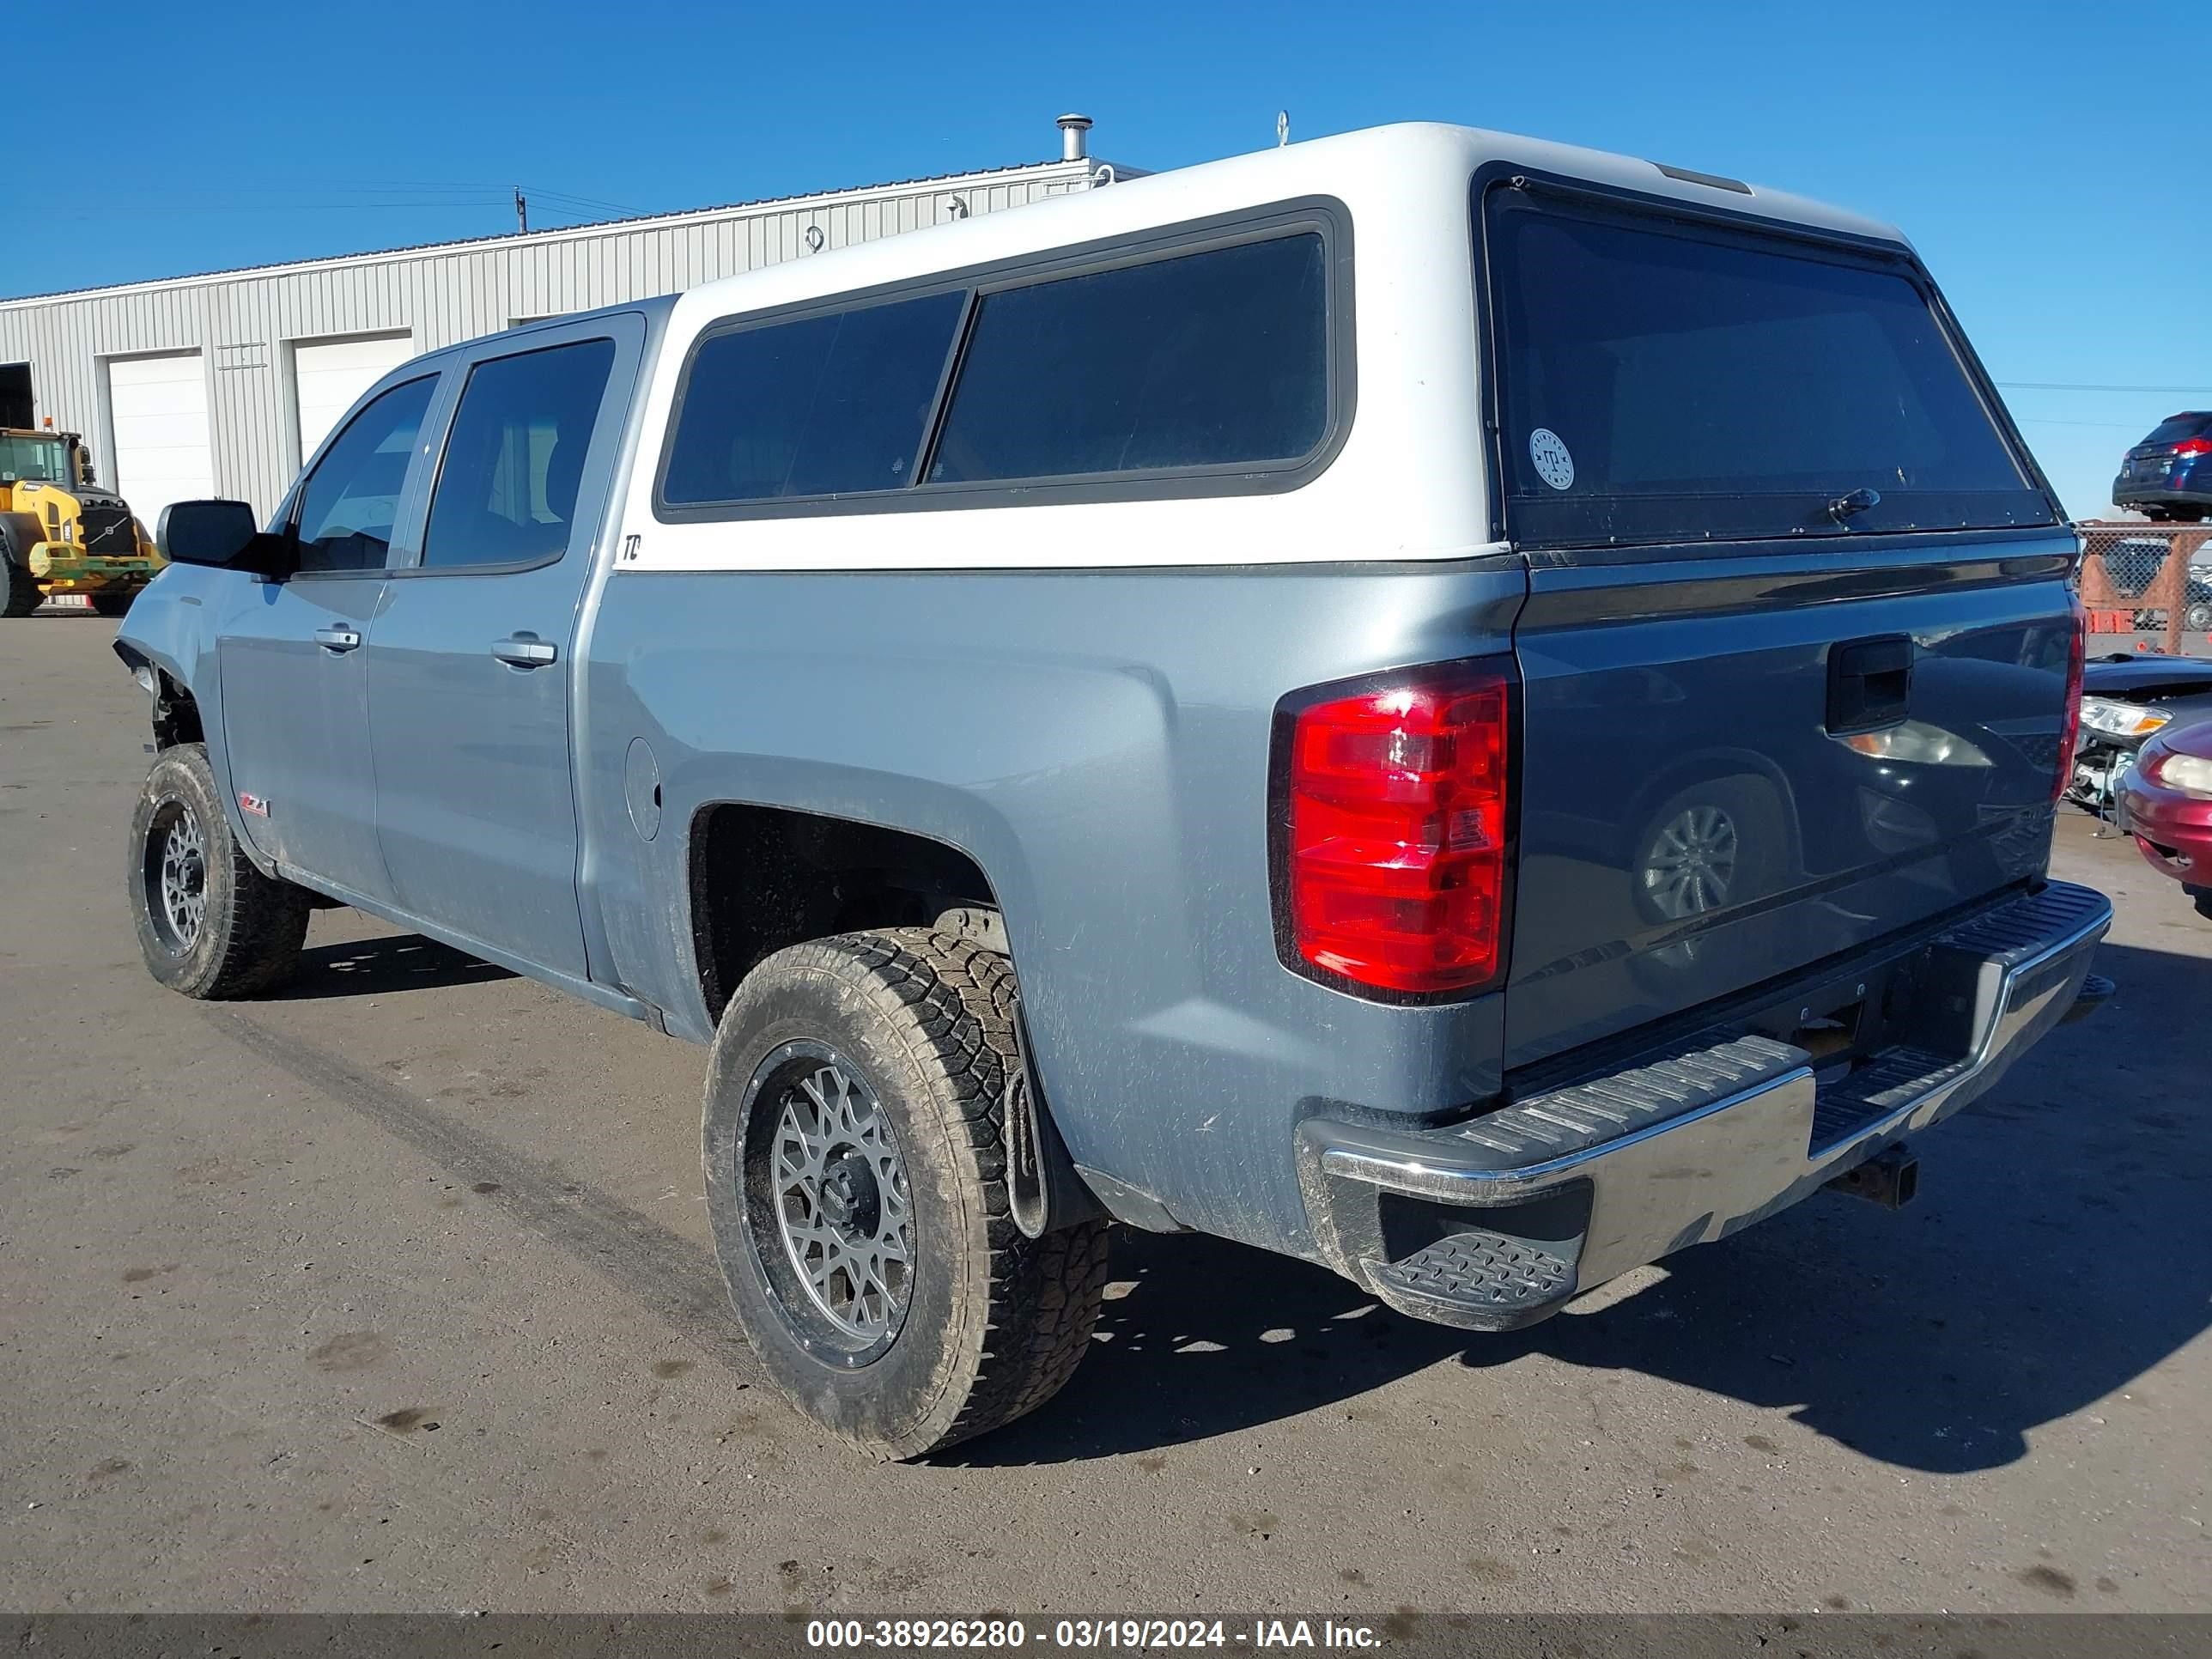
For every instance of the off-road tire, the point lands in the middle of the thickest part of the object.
(19, 595)
(248, 940)
(995, 1322)
(113, 601)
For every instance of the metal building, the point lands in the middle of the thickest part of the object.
(218, 384)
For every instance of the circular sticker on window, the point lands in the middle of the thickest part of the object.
(1554, 465)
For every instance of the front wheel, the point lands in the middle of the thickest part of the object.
(855, 1153)
(19, 595)
(2197, 619)
(209, 925)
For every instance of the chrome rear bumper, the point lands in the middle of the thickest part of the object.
(1497, 1222)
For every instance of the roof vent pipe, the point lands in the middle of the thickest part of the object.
(1074, 147)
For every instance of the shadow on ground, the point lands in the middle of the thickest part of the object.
(375, 967)
(2058, 1252)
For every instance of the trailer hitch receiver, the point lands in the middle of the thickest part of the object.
(1890, 1178)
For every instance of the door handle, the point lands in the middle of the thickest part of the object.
(337, 639)
(525, 651)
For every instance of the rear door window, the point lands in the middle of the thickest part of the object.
(1664, 384)
(1211, 359)
(514, 459)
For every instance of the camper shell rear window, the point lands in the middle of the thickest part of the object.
(1668, 379)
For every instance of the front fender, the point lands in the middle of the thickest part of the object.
(172, 628)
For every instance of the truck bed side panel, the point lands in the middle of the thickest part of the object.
(1098, 744)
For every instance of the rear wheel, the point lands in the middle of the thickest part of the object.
(19, 595)
(209, 925)
(2198, 617)
(855, 1168)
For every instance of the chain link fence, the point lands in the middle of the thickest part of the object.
(2154, 579)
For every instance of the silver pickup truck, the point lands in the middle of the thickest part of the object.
(1463, 710)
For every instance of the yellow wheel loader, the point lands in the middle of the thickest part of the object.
(61, 533)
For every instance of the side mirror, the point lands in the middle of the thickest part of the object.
(222, 534)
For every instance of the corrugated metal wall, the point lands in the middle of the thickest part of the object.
(245, 323)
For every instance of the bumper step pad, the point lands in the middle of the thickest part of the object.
(1700, 1070)
(1483, 1272)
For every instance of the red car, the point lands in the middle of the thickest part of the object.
(2165, 803)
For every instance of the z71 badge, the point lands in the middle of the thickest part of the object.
(257, 805)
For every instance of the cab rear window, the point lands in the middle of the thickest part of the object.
(1660, 383)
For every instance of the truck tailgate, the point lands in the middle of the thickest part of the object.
(1783, 756)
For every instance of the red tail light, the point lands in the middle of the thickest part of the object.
(1395, 848)
(2193, 447)
(2070, 718)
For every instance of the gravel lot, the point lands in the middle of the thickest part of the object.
(395, 1293)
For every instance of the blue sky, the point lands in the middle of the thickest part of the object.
(2024, 147)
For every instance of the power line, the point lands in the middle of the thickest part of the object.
(581, 201)
(2106, 426)
(2068, 386)
(79, 208)
(358, 196)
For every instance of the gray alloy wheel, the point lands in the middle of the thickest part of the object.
(1690, 862)
(176, 875)
(841, 1204)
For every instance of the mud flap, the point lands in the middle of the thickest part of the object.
(1043, 1191)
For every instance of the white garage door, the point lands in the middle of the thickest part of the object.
(160, 413)
(328, 374)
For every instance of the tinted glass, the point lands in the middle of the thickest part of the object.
(2175, 427)
(25, 457)
(507, 491)
(821, 406)
(1215, 359)
(1660, 385)
(348, 506)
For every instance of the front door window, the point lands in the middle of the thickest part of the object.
(348, 505)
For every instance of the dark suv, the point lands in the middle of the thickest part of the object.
(2169, 474)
